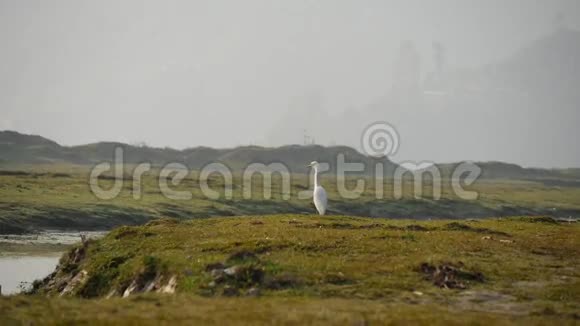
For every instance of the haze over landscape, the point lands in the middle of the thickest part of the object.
(488, 80)
(290, 162)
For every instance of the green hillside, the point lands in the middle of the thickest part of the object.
(18, 149)
(308, 269)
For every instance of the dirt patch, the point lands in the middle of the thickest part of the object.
(414, 227)
(151, 278)
(337, 279)
(242, 256)
(454, 226)
(539, 219)
(314, 247)
(243, 273)
(282, 281)
(371, 226)
(450, 276)
(70, 279)
(411, 227)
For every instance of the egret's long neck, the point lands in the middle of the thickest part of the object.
(315, 176)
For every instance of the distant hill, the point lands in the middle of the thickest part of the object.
(501, 170)
(17, 148)
(509, 171)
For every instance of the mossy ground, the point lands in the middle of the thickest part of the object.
(335, 269)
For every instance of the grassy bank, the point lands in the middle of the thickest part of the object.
(306, 269)
(59, 197)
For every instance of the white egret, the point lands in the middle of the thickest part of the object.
(320, 199)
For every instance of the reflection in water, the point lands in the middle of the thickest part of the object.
(17, 269)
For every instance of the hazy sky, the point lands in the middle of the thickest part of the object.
(223, 73)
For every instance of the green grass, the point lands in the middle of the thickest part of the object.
(336, 269)
(190, 310)
(355, 267)
(59, 197)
